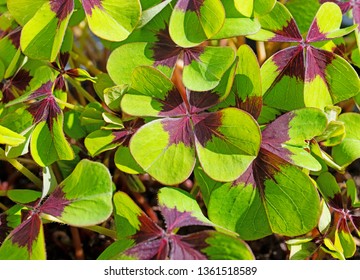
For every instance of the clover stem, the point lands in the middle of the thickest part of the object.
(107, 232)
(70, 106)
(21, 168)
(84, 61)
(78, 87)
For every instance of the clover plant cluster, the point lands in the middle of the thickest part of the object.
(244, 113)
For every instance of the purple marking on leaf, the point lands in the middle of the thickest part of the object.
(60, 83)
(206, 126)
(182, 249)
(290, 62)
(356, 221)
(316, 62)
(336, 202)
(200, 101)
(191, 54)
(130, 127)
(289, 33)
(55, 204)
(189, 5)
(252, 105)
(314, 34)
(62, 8)
(276, 134)
(247, 178)
(263, 168)
(180, 131)
(173, 105)
(14, 37)
(21, 80)
(148, 230)
(176, 219)
(356, 14)
(165, 50)
(157, 249)
(89, 5)
(4, 228)
(27, 232)
(46, 108)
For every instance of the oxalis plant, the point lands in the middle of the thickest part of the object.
(179, 129)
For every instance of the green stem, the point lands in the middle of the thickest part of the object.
(107, 232)
(78, 87)
(26, 172)
(70, 106)
(84, 61)
(331, 163)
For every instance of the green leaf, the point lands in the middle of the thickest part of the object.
(285, 203)
(191, 26)
(236, 24)
(111, 19)
(148, 14)
(344, 240)
(100, 141)
(34, 244)
(325, 219)
(10, 137)
(48, 146)
(147, 87)
(349, 150)
(125, 162)
(126, 215)
(225, 247)
(205, 72)
(249, 7)
(182, 201)
(45, 28)
(303, 12)
(236, 145)
(328, 186)
(151, 149)
(83, 198)
(72, 125)
(301, 248)
(23, 196)
(24, 10)
(113, 252)
(323, 29)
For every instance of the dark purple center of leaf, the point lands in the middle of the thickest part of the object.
(290, 62)
(316, 62)
(46, 108)
(62, 8)
(276, 134)
(173, 105)
(4, 228)
(25, 234)
(165, 50)
(206, 126)
(201, 101)
(18, 82)
(182, 249)
(130, 127)
(176, 219)
(55, 203)
(314, 34)
(252, 105)
(289, 33)
(180, 131)
(14, 37)
(89, 5)
(192, 54)
(190, 5)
